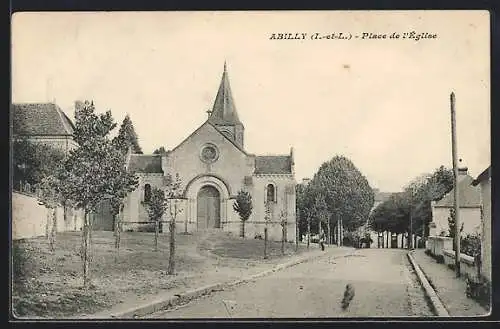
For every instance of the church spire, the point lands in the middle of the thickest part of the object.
(224, 110)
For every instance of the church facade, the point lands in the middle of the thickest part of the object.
(213, 166)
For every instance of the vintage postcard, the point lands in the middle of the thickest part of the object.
(250, 164)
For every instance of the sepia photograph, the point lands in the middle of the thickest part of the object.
(184, 165)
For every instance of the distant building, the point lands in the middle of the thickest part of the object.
(42, 123)
(469, 201)
(484, 182)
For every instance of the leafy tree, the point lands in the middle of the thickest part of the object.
(33, 161)
(394, 214)
(127, 137)
(243, 206)
(432, 188)
(156, 207)
(320, 211)
(49, 195)
(160, 150)
(346, 191)
(305, 197)
(91, 171)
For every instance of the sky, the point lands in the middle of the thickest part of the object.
(383, 103)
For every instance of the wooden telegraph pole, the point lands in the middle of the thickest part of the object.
(455, 181)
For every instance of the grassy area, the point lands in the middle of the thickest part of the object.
(49, 284)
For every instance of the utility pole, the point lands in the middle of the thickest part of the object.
(410, 244)
(455, 183)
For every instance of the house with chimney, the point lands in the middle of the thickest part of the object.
(42, 123)
(469, 201)
(213, 165)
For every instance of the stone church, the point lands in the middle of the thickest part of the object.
(213, 166)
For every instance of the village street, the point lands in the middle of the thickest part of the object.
(383, 281)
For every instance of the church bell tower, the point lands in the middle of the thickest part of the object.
(223, 115)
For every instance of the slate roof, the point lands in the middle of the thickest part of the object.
(468, 195)
(273, 164)
(40, 119)
(145, 163)
(224, 110)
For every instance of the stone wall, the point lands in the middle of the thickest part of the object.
(29, 218)
(468, 267)
(437, 244)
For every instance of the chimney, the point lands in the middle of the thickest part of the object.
(462, 169)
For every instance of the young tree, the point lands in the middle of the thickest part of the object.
(174, 194)
(50, 196)
(91, 171)
(283, 222)
(127, 137)
(243, 206)
(156, 207)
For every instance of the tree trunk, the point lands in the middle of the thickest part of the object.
(297, 233)
(171, 259)
(308, 231)
(341, 238)
(283, 237)
(329, 241)
(52, 240)
(387, 239)
(47, 223)
(157, 228)
(265, 242)
(65, 213)
(115, 229)
(242, 229)
(86, 250)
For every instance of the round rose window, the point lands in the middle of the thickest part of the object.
(209, 153)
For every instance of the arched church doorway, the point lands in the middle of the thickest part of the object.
(208, 207)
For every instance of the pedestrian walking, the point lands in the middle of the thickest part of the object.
(322, 241)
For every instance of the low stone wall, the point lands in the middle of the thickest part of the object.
(468, 267)
(437, 244)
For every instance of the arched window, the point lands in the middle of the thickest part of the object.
(147, 193)
(270, 193)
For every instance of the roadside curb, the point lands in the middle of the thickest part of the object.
(438, 306)
(169, 301)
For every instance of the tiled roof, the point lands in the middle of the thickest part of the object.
(224, 110)
(468, 195)
(40, 119)
(145, 163)
(273, 164)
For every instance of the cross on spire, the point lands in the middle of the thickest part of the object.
(224, 110)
